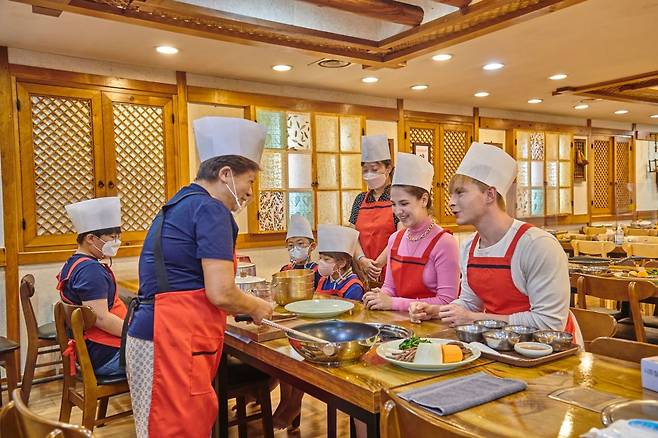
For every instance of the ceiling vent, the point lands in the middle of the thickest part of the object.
(331, 63)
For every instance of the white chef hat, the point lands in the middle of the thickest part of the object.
(299, 226)
(412, 170)
(374, 148)
(217, 136)
(335, 238)
(95, 214)
(490, 165)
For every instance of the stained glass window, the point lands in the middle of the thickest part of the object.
(328, 207)
(350, 171)
(273, 171)
(350, 134)
(275, 127)
(299, 131)
(326, 133)
(347, 200)
(327, 169)
(301, 203)
(272, 211)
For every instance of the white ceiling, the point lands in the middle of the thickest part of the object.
(594, 41)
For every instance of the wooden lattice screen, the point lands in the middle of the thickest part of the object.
(623, 196)
(601, 160)
(424, 136)
(455, 142)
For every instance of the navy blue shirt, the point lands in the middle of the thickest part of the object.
(198, 227)
(90, 280)
(310, 265)
(354, 292)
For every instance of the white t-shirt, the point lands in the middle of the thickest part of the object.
(539, 271)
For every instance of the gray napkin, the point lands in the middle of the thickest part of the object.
(454, 395)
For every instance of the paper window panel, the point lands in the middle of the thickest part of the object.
(552, 173)
(301, 203)
(273, 171)
(275, 127)
(350, 171)
(522, 202)
(327, 171)
(565, 147)
(347, 200)
(523, 175)
(272, 211)
(328, 206)
(537, 146)
(565, 173)
(537, 173)
(300, 169)
(551, 202)
(537, 202)
(552, 146)
(298, 129)
(522, 145)
(326, 133)
(565, 201)
(350, 134)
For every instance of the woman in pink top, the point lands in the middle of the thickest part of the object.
(423, 258)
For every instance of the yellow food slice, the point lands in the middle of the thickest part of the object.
(451, 353)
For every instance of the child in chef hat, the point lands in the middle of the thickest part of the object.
(301, 244)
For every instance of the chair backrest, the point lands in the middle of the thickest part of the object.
(75, 320)
(637, 231)
(592, 231)
(400, 418)
(617, 289)
(592, 247)
(594, 324)
(36, 426)
(641, 249)
(623, 349)
(26, 291)
(641, 239)
(9, 426)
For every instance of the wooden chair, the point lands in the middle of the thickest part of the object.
(31, 425)
(642, 239)
(649, 250)
(617, 289)
(593, 231)
(623, 349)
(592, 247)
(76, 319)
(9, 359)
(637, 231)
(40, 339)
(594, 324)
(401, 419)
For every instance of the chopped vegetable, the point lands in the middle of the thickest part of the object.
(411, 342)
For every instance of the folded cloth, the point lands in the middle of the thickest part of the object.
(454, 395)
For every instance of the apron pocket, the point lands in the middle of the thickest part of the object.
(205, 351)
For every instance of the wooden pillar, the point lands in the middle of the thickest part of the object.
(10, 175)
(402, 141)
(476, 123)
(183, 150)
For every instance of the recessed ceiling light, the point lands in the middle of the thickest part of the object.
(166, 50)
(281, 67)
(621, 112)
(442, 57)
(581, 106)
(558, 77)
(654, 116)
(493, 66)
(369, 79)
(535, 100)
(481, 94)
(419, 87)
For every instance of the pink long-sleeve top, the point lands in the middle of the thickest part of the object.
(441, 273)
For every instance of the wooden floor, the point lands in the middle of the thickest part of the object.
(45, 400)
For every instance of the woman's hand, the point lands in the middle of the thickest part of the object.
(377, 300)
(420, 311)
(370, 268)
(455, 315)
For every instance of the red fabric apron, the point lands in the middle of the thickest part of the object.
(408, 271)
(375, 225)
(490, 278)
(188, 338)
(340, 292)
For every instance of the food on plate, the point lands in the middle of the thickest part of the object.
(411, 342)
(466, 352)
(429, 353)
(452, 353)
(407, 355)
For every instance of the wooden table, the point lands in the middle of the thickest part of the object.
(617, 252)
(532, 412)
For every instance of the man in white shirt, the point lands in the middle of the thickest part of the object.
(511, 271)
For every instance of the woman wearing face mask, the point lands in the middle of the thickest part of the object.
(340, 275)
(301, 243)
(372, 212)
(187, 286)
(423, 259)
(85, 281)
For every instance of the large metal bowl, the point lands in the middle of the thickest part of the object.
(351, 340)
(294, 285)
(501, 340)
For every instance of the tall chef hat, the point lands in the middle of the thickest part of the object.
(298, 226)
(335, 238)
(374, 148)
(412, 170)
(490, 165)
(95, 214)
(217, 136)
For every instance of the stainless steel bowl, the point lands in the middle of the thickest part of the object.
(524, 331)
(294, 285)
(470, 332)
(351, 339)
(246, 284)
(502, 340)
(491, 324)
(391, 332)
(246, 269)
(560, 341)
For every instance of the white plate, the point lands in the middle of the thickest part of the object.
(392, 346)
(319, 308)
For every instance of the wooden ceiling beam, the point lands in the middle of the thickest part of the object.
(461, 4)
(386, 10)
(628, 80)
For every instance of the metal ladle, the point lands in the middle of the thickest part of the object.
(329, 348)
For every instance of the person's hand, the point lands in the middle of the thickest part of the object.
(261, 310)
(370, 268)
(377, 300)
(455, 315)
(420, 311)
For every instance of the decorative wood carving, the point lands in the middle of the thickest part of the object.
(635, 89)
(387, 10)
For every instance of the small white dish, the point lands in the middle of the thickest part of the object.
(533, 349)
(319, 308)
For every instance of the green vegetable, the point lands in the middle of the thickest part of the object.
(412, 342)
(652, 271)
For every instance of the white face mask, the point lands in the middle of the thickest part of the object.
(110, 248)
(240, 205)
(374, 180)
(298, 253)
(326, 269)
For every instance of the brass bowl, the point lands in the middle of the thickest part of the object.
(560, 341)
(294, 285)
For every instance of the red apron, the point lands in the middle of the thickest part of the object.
(188, 338)
(375, 225)
(408, 271)
(490, 278)
(340, 292)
